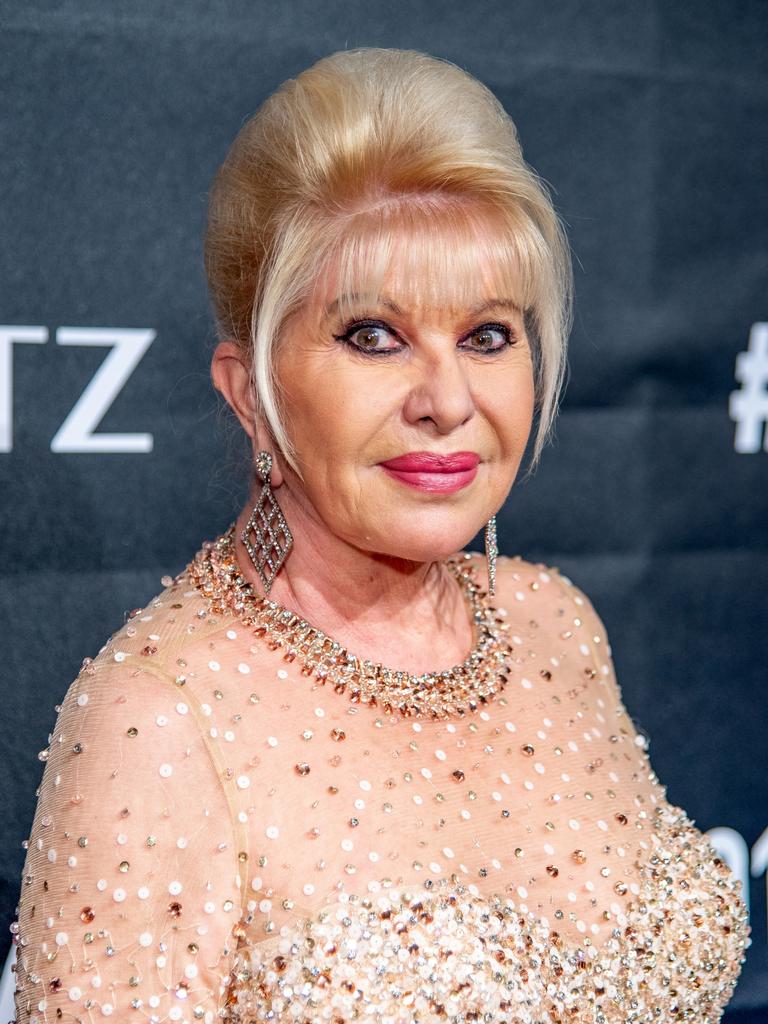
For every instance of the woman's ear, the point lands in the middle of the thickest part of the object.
(232, 378)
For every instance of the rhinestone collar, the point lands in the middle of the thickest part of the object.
(442, 694)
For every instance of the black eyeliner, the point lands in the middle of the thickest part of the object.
(352, 326)
(355, 325)
(508, 332)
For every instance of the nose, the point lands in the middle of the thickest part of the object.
(440, 393)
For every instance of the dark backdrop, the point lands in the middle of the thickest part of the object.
(651, 121)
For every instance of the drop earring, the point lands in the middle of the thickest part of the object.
(266, 537)
(491, 551)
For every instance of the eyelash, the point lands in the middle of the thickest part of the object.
(356, 325)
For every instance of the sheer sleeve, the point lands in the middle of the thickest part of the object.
(593, 635)
(130, 895)
(594, 644)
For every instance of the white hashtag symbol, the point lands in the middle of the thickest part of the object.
(748, 406)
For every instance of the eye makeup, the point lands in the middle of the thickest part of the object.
(507, 337)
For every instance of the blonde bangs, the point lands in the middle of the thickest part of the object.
(449, 256)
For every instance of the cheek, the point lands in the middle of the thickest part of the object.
(334, 415)
(509, 406)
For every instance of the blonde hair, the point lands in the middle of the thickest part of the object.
(373, 159)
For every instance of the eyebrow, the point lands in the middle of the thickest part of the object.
(356, 298)
(494, 304)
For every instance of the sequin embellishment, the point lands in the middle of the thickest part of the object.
(455, 691)
(238, 847)
(444, 952)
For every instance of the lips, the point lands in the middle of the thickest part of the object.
(431, 462)
(430, 471)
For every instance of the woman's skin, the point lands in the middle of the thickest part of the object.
(365, 566)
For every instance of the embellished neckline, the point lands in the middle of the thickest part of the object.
(452, 692)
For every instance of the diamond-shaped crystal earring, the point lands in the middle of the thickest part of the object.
(266, 536)
(491, 551)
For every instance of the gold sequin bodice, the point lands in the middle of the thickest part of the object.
(220, 836)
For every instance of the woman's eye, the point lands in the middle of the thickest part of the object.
(369, 337)
(378, 338)
(489, 338)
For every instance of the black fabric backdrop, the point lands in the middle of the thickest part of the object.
(650, 119)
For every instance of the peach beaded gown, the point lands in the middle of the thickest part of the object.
(221, 837)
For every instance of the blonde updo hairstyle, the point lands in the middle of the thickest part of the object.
(374, 158)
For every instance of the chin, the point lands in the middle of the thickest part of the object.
(428, 544)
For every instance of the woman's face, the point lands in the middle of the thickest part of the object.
(409, 422)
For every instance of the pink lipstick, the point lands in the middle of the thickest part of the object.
(430, 471)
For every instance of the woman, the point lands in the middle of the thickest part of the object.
(241, 819)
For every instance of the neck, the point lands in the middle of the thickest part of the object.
(408, 615)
